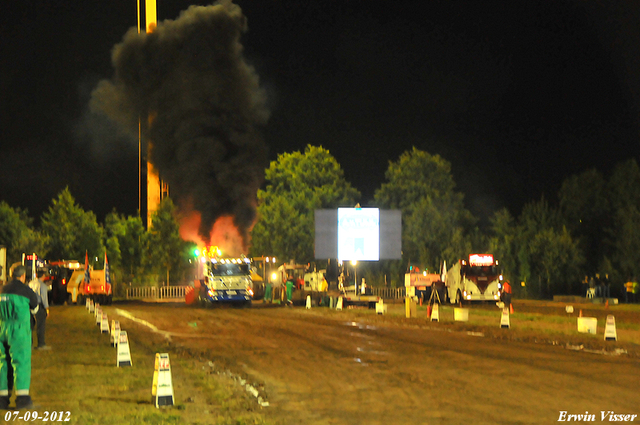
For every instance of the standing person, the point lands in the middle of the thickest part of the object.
(607, 286)
(628, 295)
(506, 294)
(38, 286)
(16, 301)
(290, 290)
(268, 291)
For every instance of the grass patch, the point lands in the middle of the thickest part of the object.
(79, 375)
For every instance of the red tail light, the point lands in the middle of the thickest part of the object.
(64, 281)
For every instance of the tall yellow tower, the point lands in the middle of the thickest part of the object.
(156, 189)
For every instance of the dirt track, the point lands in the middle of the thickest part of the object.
(352, 367)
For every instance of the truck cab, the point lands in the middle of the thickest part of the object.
(226, 280)
(478, 279)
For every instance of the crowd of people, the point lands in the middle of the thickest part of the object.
(601, 287)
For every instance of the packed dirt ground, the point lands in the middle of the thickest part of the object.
(322, 366)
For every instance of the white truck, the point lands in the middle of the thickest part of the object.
(478, 279)
(225, 280)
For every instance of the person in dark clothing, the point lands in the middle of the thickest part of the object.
(17, 301)
(506, 294)
(38, 286)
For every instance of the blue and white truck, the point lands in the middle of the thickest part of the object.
(225, 280)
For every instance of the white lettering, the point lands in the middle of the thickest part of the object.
(603, 415)
(563, 415)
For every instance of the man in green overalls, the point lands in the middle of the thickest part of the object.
(17, 301)
(289, 286)
(268, 297)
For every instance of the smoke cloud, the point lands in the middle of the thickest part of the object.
(207, 106)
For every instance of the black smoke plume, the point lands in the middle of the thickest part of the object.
(206, 105)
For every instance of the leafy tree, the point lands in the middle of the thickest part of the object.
(297, 184)
(167, 252)
(625, 240)
(70, 230)
(549, 258)
(556, 260)
(503, 243)
(622, 235)
(623, 188)
(435, 224)
(585, 208)
(17, 234)
(126, 242)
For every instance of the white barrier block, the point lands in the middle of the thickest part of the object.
(92, 307)
(504, 319)
(587, 325)
(610, 333)
(461, 314)
(98, 316)
(115, 332)
(308, 302)
(104, 324)
(569, 309)
(435, 313)
(339, 305)
(410, 307)
(88, 305)
(123, 357)
(162, 388)
(381, 307)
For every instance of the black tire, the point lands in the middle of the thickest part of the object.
(79, 299)
(458, 297)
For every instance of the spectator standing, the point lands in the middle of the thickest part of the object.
(628, 295)
(16, 302)
(38, 286)
(607, 286)
(506, 294)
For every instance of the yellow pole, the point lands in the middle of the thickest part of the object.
(154, 191)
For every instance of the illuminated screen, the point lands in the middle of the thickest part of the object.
(481, 260)
(359, 234)
(326, 235)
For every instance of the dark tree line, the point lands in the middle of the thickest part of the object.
(136, 256)
(592, 227)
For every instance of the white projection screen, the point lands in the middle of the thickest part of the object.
(358, 234)
(363, 234)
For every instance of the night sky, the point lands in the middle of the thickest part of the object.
(516, 95)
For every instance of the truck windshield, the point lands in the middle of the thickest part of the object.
(230, 269)
(482, 271)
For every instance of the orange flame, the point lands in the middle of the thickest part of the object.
(224, 234)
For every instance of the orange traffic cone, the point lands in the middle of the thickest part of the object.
(510, 308)
(606, 304)
(580, 315)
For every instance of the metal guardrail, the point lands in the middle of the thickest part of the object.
(178, 292)
(389, 293)
(153, 292)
